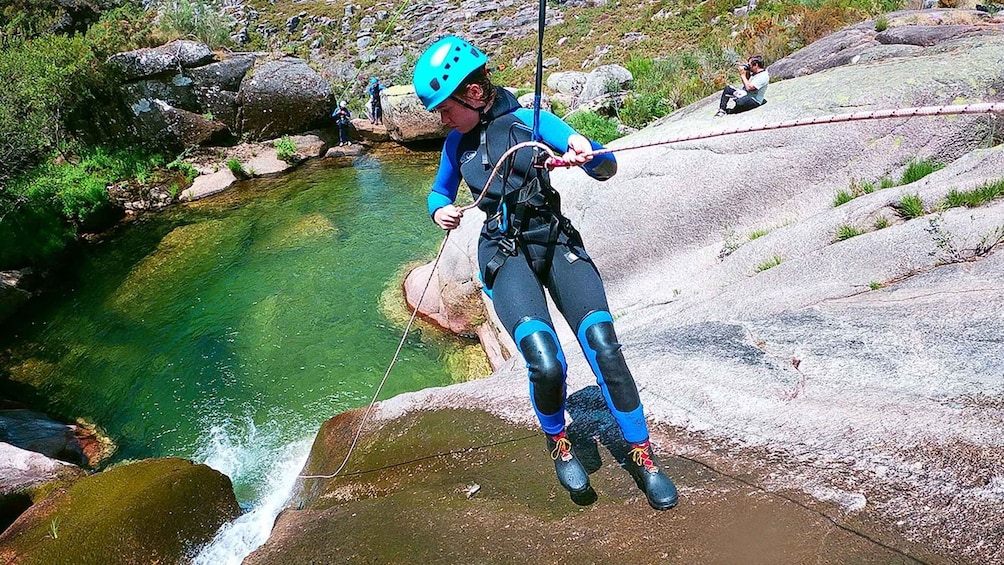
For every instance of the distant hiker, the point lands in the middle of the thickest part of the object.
(376, 109)
(751, 94)
(343, 119)
(527, 245)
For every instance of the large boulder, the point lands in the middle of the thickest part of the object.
(283, 96)
(858, 344)
(37, 432)
(603, 80)
(861, 43)
(406, 118)
(23, 474)
(150, 61)
(152, 511)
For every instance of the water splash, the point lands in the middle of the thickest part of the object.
(274, 473)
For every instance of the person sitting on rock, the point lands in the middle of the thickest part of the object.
(527, 247)
(751, 94)
(343, 119)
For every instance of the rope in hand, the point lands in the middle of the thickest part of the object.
(554, 161)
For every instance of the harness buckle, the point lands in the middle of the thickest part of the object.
(508, 246)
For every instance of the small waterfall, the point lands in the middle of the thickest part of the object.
(275, 471)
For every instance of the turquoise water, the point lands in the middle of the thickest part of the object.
(239, 323)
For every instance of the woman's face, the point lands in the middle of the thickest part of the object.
(457, 116)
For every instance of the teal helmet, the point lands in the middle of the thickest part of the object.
(374, 80)
(443, 66)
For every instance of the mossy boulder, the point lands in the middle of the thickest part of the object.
(152, 511)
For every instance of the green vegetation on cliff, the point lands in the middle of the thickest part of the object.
(678, 51)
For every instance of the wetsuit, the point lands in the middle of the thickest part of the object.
(527, 245)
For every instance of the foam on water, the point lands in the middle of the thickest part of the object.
(270, 468)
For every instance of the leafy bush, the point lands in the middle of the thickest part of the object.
(881, 223)
(203, 20)
(881, 23)
(285, 148)
(237, 169)
(594, 126)
(44, 208)
(43, 79)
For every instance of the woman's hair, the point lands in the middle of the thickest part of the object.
(479, 76)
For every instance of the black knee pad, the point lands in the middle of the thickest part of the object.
(600, 337)
(546, 371)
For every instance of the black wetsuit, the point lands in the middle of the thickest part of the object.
(526, 245)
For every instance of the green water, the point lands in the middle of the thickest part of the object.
(239, 322)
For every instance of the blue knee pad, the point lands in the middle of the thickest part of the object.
(546, 366)
(599, 344)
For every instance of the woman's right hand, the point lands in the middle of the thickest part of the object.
(448, 217)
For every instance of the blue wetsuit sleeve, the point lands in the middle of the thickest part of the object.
(444, 187)
(555, 132)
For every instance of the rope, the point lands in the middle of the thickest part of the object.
(400, 345)
(910, 112)
(554, 161)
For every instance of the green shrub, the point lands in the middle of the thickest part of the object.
(977, 196)
(910, 206)
(918, 169)
(285, 148)
(886, 182)
(203, 20)
(594, 126)
(757, 234)
(874, 285)
(846, 232)
(44, 208)
(42, 79)
(881, 223)
(237, 169)
(881, 23)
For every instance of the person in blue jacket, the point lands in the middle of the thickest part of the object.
(527, 245)
(375, 106)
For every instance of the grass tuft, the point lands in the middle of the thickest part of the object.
(910, 206)
(769, 263)
(918, 169)
(846, 232)
(975, 197)
(842, 197)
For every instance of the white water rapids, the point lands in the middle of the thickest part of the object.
(249, 457)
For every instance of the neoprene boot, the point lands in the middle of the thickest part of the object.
(659, 489)
(571, 474)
